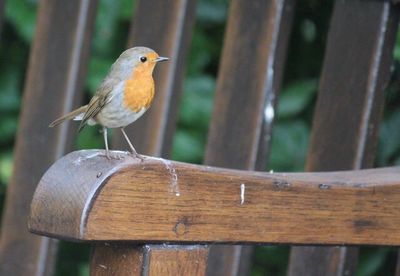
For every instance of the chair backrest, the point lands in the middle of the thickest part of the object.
(350, 100)
(356, 71)
(56, 73)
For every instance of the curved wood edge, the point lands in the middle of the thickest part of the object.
(65, 193)
(86, 197)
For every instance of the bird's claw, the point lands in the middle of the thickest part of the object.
(114, 156)
(137, 155)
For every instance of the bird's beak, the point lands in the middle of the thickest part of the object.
(161, 59)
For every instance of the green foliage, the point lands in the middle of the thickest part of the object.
(196, 107)
(294, 110)
(73, 259)
(296, 98)
(270, 260)
(22, 15)
(289, 146)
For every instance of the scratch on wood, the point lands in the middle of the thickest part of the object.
(174, 176)
(242, 189)
(281, 184)
(323, 186)
(81, 159)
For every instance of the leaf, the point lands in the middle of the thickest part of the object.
(8, 128)
(126, 9)
(296, 97)
(22, 15)
(212, 11)
(90, 137)
(389, 138)
(106, 26)
(270, 260)
(6, 166)
(9, 85)
(187, 147)
(289, 146)
(98, 69)
(197, 102)
(372, 261)
(397, 47)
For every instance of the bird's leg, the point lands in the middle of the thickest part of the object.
(106, 142)
(134, 152)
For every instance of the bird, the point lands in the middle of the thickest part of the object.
(123, 96)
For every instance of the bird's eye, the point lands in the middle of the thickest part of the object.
(143, 59)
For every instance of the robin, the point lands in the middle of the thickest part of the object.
(123, 97)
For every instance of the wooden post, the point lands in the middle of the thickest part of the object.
(356, 72)
(248, 86)
(57, 69)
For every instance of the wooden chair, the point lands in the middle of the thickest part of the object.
(160, 217)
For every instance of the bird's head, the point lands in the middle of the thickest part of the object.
(137, 59)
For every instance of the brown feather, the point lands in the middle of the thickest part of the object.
(69, 116)
(96, 103)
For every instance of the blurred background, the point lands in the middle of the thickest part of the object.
(291, 129)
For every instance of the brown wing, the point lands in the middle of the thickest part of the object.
(96, 103)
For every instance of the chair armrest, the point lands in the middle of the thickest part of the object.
(86, 197)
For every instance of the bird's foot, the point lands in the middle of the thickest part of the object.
(137, 155)
(115, 156)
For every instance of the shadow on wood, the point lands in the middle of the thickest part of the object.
(86, 197)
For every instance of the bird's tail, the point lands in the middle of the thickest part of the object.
(72, 115)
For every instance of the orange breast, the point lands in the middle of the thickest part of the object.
(139, 91)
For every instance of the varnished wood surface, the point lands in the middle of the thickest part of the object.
(248, 85)
(149, 260)
(116, 259)
(175, 260)
(248, 81)
(160, 200)
(57, 68)
(356, 72)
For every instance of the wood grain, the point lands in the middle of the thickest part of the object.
(356, 72)
(57, 68)
(116, 259)
(176, 260)
(248, 85)
(159, 200)
(121, 258)
(149, 260)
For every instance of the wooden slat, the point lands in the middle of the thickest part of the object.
(150, 260)
(248, 85)
(116, 259)
(56, 72)
(168, 30)
(248, 80)
(356, 71)
(176, 260)
(84, 196)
